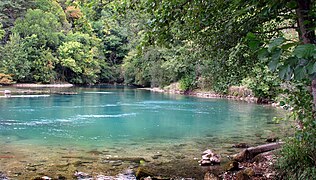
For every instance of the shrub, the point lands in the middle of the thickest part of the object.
(298, 156)
(187, 83)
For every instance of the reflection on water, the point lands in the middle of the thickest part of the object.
(133, 122)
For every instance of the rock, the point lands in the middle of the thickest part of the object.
(37, 178)
(205, 162)
(127, 174)
(116, 163)
(210, 176)
(208, 151)
(143, 173)
(241, 145)
(66, 164)
(232, 166)
(31, 168)
(249, 171)
(209, 158)
(242, 176)
(272, 139)
(6, 92)
(245, 174)
(216, 159)
(155, 156)
(102, 177)
(148, 178)
(77, 163)
(46, 178)
(81, 175)
(3, 176)
(61, 177)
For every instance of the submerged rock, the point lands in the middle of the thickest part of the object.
(46, 178)
(272, 139)
(61, 177)
(82, 175)
(210, 176)
(143, 173)
(3, 176)
(116, 163)
(95, 152)
(209, 158)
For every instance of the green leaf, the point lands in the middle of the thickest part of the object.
(300, 73)
(273, 65)
(275, 58)
(292, 61)
(306, 22)
(276, 54)
(288, 46)
(282, 103)
(291, 4)
(253, 44)
(275, 43)
(311, 68)
(251, 36)
(263, 54)
(305, 51)
(285, 72)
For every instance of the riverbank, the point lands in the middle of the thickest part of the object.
(207, 94)
(24, 90)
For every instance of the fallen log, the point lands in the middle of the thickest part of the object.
(249, 153)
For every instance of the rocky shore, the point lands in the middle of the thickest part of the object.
(235, 93)
(27, 90)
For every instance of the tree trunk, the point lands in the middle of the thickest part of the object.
(314, 95)
(307, 33)
(305, 21)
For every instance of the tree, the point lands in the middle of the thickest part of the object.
(44, 25)
(54, 7)
(10, 10)
(14, 59)
(79, 60)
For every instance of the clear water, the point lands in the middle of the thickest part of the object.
(108, 116)
(104, 118)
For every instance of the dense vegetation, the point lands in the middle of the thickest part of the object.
(267, 46)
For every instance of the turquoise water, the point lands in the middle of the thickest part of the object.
(109, 116)
(53, 133)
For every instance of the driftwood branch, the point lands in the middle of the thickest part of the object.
(249, 153)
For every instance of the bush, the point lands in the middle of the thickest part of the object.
(263, 83)
(187, 83)
(298, 156)
(297, 159)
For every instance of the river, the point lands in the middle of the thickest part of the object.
(108, 130)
